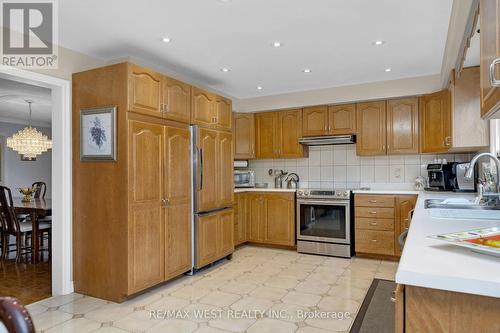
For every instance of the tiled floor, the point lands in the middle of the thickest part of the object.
(261, 290)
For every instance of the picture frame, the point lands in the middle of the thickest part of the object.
(98, 134)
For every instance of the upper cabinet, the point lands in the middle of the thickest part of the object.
(211, 110)
(329, 120)
(490, 58)
(435, 122)
(402, 126)
(342, 119)
(371, 128)
(176, 100)
(469, 131)
(144, 93)
(315, 121)
(203, 109)
(277, 134)
(223, 113)
(244, 136)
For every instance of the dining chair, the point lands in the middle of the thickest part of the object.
(13, 227)
(41, 188)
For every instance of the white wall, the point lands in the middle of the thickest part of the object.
(17, 173)
(339, 167)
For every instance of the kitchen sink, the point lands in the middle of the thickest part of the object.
(460, 208)
(461, 204)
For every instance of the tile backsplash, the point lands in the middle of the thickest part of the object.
(339, 167)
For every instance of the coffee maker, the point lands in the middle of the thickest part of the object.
(441, 177)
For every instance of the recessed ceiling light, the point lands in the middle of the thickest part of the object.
(276, 44)
(166, 40)
(307, 70)
(388, 69)
(259, 88)
(378, 42)
(225, 70)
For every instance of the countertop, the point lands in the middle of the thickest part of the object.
(386, 192)
(269, 189)
(433, 264)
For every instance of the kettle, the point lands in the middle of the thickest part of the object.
(292, 181)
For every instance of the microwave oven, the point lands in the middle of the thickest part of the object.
(244, 178)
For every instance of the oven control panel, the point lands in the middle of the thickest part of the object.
(324, 194)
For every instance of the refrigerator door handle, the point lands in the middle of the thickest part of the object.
(201, 168)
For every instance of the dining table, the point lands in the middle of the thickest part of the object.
(35, 208)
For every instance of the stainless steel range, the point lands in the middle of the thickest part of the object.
(324, 224)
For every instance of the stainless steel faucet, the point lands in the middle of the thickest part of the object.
(470, 169)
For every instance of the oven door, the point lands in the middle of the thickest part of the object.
(324, 221)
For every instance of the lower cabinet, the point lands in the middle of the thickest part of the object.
(215, 233)
(379, 220)
(267, 218)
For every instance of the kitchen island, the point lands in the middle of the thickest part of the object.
(442, 287)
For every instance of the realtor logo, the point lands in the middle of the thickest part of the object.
(29, 34)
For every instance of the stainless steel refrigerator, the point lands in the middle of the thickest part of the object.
(213, 189)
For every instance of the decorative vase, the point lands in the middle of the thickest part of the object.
(28, 193)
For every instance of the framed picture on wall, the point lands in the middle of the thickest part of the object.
(98, 134)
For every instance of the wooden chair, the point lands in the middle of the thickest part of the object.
(13, 227)
(41, 188)
(15, 317)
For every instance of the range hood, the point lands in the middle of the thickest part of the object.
(328, 140)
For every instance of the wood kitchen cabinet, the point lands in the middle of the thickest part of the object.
(277, 134)
(176, 100)
(315, 121)
(271, 218)
(223, 113)
(142, 200)
(371, 128)
(244, 136)
(404, 205)
(342, 119)
(144, 91)
(490, 58)
(402, 126)
(215, 236)
(215, 188)
(435, 122)
(211, 110)
(240, 208)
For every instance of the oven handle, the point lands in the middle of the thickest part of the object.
(326, 203)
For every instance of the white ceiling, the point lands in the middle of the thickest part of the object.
(13, 106)
(331, 37)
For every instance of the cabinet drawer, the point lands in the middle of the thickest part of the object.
(376, 242)
(375, 212)
(374, 200)
(374, 224)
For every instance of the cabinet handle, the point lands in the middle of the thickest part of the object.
(447, 141)
(406, 220)
(373, 212)
(165, 107)
(393, 297)
(373, 201)
(374, 240)
(373, 223)
(493, 80)
(162, 107)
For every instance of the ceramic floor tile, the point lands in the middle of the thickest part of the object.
(231, 324)
(50, 319)
(219, 298)
(79, 325)
(60, 300)
(282, 282)
(111, 330)
(191, 292)
(331, 303)
(272, 326)
(343, 292)
(83, 305)
(208, 329)
(252, 304)
(111, 312)
(168, 303)
(36, 308)
(137, 321)
(201, 313)
(240, 288)
(269, 293)
(174, 326)
(288, 312)
(309, 329)
(331, 325)
(317, 288)
(303, 299)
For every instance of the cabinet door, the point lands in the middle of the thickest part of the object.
(207, 170)
(404, 205)
(490, 50)
(315, 121)
(244, 136)
(280, 219)
(176, 100)
(177, 201)
(223, 113)
(203, 109)
(256, 216)
(290, 130)
(342, 119)
(240, 218)
(371, 128)
(146, 214)
(265, 134)
(402, 126)
(225, 181)
(207, 230)
(226, 233)
(435, 122)
(144, 91)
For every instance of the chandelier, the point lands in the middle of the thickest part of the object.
(29, 142)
